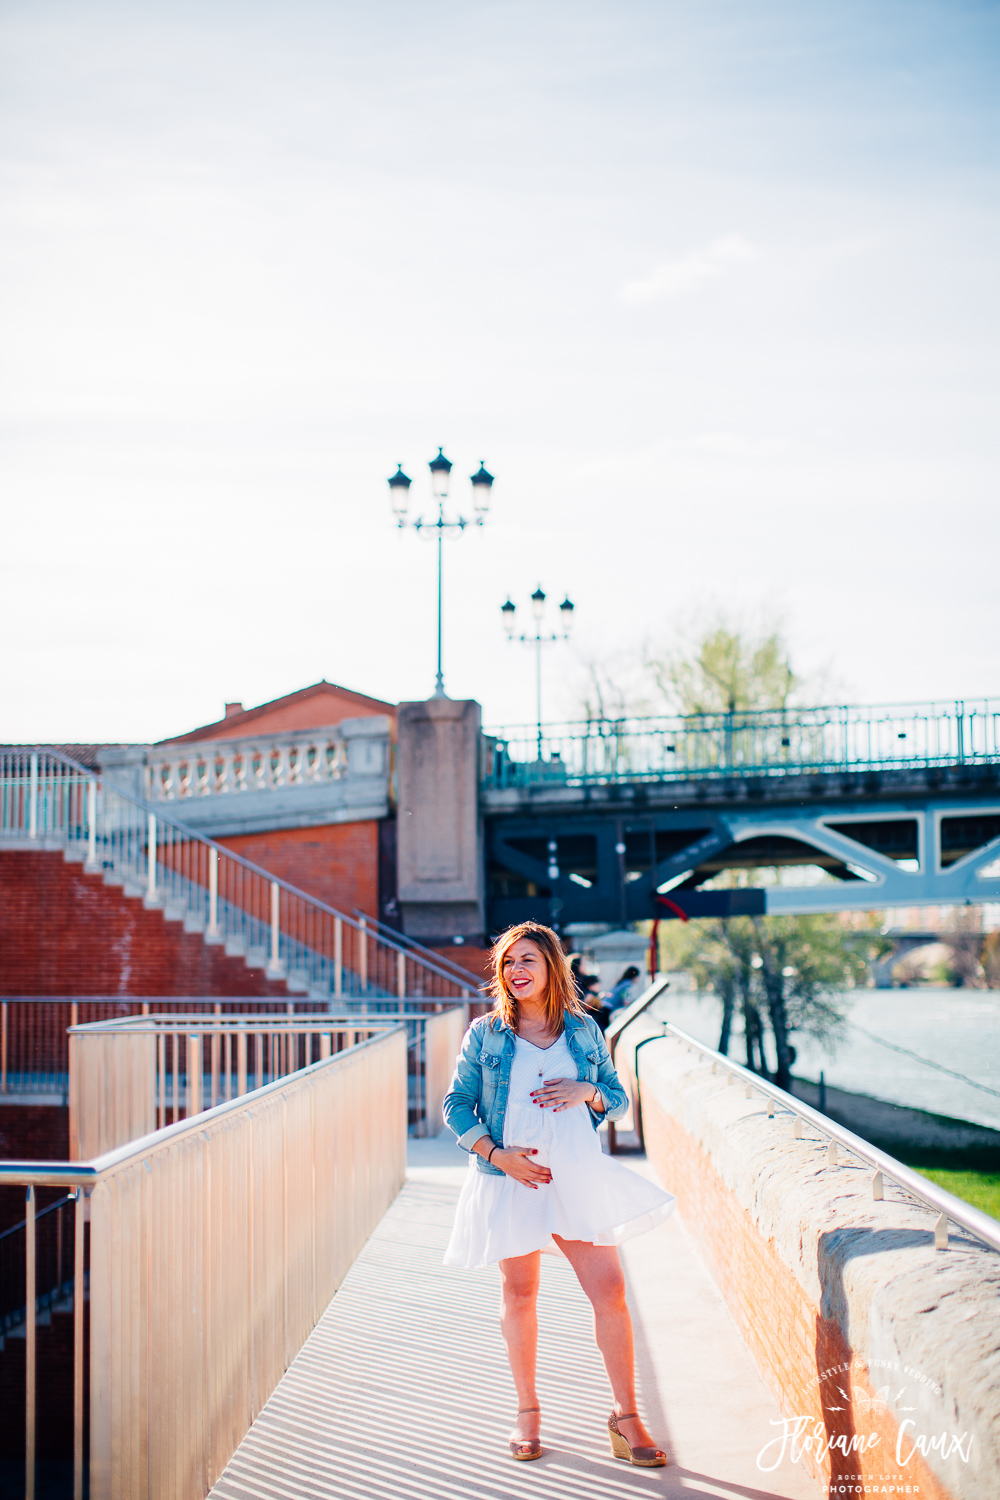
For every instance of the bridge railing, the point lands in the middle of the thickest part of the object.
(34, 1029)
(841, 1143)
(776, 742)
(131, 1076)
(439, 960)
(46, 797)
(210, 1248)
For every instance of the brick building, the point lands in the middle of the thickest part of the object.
(343, 854)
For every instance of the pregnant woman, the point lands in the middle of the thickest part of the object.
(532, 1083)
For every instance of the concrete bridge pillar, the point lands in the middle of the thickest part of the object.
(440, 849)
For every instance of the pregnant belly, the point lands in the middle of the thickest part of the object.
(527, 1125)
(556, 1137)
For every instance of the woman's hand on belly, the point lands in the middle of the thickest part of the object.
(566, 1093)
(516, 1162)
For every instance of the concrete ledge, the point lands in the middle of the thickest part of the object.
(226, 815)
(877, 1345)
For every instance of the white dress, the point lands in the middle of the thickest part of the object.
(591, 1196)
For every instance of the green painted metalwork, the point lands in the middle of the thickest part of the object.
(776, 742)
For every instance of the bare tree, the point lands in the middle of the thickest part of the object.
(963, 938)
(714, 661)
(991, 959)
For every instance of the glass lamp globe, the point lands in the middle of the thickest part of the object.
(482, 485)
(399, 492)
(440, 468)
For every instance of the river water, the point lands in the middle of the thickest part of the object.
(956, 1029)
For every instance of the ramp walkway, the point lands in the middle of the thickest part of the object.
(402, 1391)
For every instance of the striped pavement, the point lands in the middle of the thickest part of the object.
(402, 1391)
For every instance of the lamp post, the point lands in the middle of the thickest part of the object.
(539, 639)
(399, 490)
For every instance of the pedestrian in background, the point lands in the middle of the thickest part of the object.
(620, 995)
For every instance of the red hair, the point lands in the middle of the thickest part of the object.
(560, 995)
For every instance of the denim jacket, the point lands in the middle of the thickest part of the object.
(476, 1103)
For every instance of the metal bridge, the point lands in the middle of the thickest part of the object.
(851, 808)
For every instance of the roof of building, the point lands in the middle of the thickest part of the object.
(311, 707)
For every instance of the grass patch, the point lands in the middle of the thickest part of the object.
(981, 1189)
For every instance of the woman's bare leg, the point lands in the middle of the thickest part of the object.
(519, 1326)
(599, 1271)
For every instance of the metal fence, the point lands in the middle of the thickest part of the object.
(45, 797)
(35, 1042)
(210, 1248)
(131, 1076)
(776, 742)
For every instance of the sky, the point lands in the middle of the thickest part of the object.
(709, 285)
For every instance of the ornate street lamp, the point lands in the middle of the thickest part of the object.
(538, 639)
(399, 491)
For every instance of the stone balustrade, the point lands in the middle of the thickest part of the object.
(314, 757)
(337, 773)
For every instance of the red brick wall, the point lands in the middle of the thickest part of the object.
(792, 1344)
(34, 1132)
(337, 862)
(30, 1132)
(476, 960)
(64, 932)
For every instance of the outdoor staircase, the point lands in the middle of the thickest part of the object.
(283, 936)
(66, 930)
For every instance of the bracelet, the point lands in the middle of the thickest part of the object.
(490, 1157)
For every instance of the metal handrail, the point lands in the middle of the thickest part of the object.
(279, 1022)
(635, 1008)
(164, 1063)
(285, 1279)
(59, 1203)
(766, 742)
(155, 810)
(412, 946)
(621, 1019)
(88, 1173)
(977, 1223)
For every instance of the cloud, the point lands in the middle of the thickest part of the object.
(679, 276)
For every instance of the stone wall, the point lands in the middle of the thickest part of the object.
(439, 829)
(877, 1345)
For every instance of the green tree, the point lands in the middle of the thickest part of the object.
(708, 664)
(785, 974)
(725, 666)
(804, 962)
